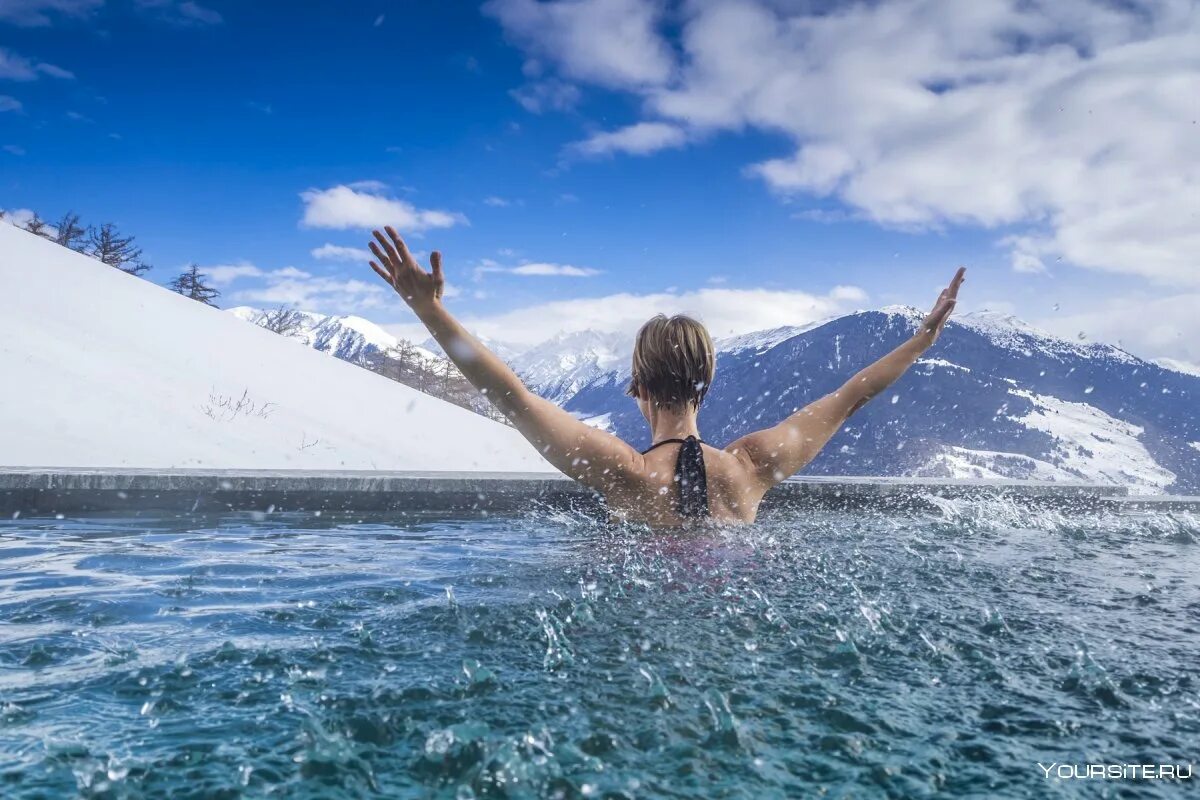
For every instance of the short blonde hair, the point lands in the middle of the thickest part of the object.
(673, 362)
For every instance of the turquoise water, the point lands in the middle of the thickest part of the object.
(825, 654)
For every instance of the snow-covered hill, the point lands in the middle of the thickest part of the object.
(105, 369)
(561, 366)
(347, 337)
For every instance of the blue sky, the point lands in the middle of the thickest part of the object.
(742, 160)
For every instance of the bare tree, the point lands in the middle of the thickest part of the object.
(107, 245)
(69, 233)
(191, 284)
(36, 225)
(283, 320)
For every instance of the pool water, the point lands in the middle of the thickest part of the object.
(833, 654)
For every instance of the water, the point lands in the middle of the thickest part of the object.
(826, 654)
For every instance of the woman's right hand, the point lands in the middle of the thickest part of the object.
(420, 289)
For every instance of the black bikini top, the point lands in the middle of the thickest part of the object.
(689, 476)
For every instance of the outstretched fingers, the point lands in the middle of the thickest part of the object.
(383, 274)
(401, 247)
(956, 281)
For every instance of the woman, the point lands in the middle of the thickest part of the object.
(679, 478)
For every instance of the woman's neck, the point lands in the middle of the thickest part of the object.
(667, 423)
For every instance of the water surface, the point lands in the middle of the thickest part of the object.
(830, 654)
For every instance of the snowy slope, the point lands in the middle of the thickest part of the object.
(347, 337)
(105, 369)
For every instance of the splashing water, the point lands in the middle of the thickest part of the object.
(838, 653)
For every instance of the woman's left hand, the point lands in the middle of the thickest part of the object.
(935, 320)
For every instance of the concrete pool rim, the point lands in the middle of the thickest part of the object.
(35, 491)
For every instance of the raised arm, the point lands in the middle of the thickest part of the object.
(777, 453)
(590, 456)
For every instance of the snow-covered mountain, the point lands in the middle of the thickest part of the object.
(347, 337)
(994, 398)
(559, 367)
(109, 370)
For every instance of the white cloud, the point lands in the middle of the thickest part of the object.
(14, 149)
(182, 13)
(16, 67)
(39, 13)
(223, 274)
(608, 42)
(1073, 121)
(333, 252)
(295, 287)
(9, 103)
(548, 95)
(560, 270)
(496, 202)
(639, 139)
(724, 311)
(848, 294)
(17, 216)
(364, 205)
(534, 269)
(1148, 325)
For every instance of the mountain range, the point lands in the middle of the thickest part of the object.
(994, 398)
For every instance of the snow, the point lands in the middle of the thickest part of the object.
(941, 362)
(109, 370)
(761, 341)
(562, 365)
(348, 337)
(1094, 446)
(962, 463)
(1018, 335)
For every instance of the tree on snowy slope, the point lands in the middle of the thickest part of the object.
(192, 284)
(37, 226)
(107, 245)
(69, 233)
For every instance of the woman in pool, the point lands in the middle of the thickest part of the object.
(679, 478)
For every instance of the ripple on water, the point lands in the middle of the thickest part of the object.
(826, 653)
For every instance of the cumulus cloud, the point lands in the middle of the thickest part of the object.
(365, 205)
(16, 67)
(40, 13)
(608, 42)
(1073, 121)
(639, 139)
(725, 312)
(333, 252)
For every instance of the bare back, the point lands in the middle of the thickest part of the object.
(648, 492)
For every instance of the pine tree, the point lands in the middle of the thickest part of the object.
(37, 225)
(191, 284)
(107, 245)
(69, 233)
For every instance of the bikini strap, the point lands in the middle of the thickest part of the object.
(690, 476)
(668, 441)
